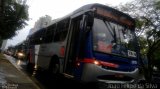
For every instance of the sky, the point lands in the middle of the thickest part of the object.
(55, 9)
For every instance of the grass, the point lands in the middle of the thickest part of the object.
(2, 57)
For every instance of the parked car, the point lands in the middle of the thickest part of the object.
(20, 54)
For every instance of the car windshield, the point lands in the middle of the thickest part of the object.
(109, 37)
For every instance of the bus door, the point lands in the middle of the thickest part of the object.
(72, 45)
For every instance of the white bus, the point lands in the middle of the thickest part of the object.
(93, 43)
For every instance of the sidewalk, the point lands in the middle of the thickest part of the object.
(12, 78)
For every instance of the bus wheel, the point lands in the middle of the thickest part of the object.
(54, 65)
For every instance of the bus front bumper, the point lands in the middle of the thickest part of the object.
(92, 73)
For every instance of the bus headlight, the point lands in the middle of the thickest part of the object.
(96, 62)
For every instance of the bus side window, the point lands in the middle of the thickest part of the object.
(38, 37)
(48, 38)
(61, 31)
(31, 40)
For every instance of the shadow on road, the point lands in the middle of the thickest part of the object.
(47, 80)
(51, 81)
(59, 82)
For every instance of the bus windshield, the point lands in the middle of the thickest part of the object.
(113, 38)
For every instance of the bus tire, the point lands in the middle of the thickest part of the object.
(54, 66)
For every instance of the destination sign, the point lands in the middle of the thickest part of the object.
(116, 17)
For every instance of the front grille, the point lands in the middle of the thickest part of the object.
(109, 68)
(127, 69)
(115, 78)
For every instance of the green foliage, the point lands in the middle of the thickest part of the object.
(139, 23)
(157, 5)
(143, 45)
(13, 18)
(147, 14)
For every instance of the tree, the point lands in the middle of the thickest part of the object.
(12, 17)
(147, 16)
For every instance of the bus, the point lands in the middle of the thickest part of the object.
(93, 43)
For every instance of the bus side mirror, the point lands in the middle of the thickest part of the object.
(87, 22)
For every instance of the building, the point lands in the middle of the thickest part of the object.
(41, 23)
(4, 43)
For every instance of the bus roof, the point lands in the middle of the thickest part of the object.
(87, 8)
(91, 6)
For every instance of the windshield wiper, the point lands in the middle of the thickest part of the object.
(114, 35)
(114, 32)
